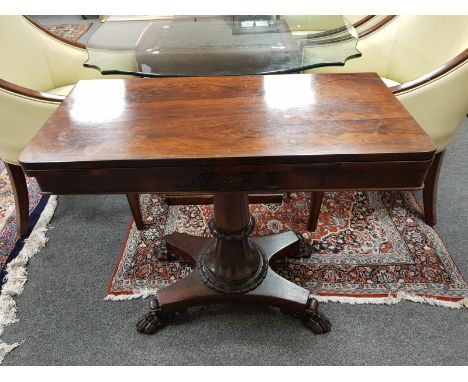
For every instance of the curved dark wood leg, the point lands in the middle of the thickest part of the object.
(275, 247)
(233, 268)
(430, 190)
(316, 198)
(273, 291)
(134, 202)
(20, 192)
(286, 244)
(186, 247)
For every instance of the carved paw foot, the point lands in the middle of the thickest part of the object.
(315, 320)
(303, 250)
(154, 320)
(163, 253)
(151, 323)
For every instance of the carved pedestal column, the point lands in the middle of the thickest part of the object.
(232, 263)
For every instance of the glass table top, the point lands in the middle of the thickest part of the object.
(152, 46)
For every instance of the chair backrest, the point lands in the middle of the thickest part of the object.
(317, 23)
(24, 59)
(423, 43)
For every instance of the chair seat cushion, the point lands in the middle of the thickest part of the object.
(62, 90)
(389, 82)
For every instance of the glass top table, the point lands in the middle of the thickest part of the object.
(165, 46)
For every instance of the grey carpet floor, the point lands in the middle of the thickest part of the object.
(66, 321)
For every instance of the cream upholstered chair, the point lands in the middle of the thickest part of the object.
(37, 70)
(424, 61)
(312, 24)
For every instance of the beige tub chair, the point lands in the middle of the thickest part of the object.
(37, 70)
(424, 61)
(312, 24)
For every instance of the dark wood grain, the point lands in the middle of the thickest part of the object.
(274, 291)
(314, 210)
(134, 203)
(20, 192)
(454, 63)
(227, 121)
(364, 20)
(374, 28)
(430, 190)
(398, 175)
(332, 39)
(25, 92)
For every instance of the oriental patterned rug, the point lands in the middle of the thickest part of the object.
(15, 253)
(71, 32)
(9, 245)
(369, 247)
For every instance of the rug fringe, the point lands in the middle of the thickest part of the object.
(17, 274)
(145, 293)
(387, 300)
(393, 299)
(390, 299)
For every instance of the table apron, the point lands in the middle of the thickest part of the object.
(243, 178)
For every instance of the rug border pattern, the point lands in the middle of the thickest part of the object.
(447, 298)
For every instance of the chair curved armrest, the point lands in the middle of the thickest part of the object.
(458, 60)
(375, 27)
(362, 21)
(439, 104)
(75, 44)
(364, 27)
(338, 30)
(29, 93)
(369, 29)
(375, 50)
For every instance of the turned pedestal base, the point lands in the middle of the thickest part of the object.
(233, 267)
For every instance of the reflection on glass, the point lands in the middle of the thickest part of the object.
(220, 45)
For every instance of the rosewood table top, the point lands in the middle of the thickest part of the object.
(227, 120)
(208, 134)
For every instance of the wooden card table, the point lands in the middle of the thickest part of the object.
(230, 136)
